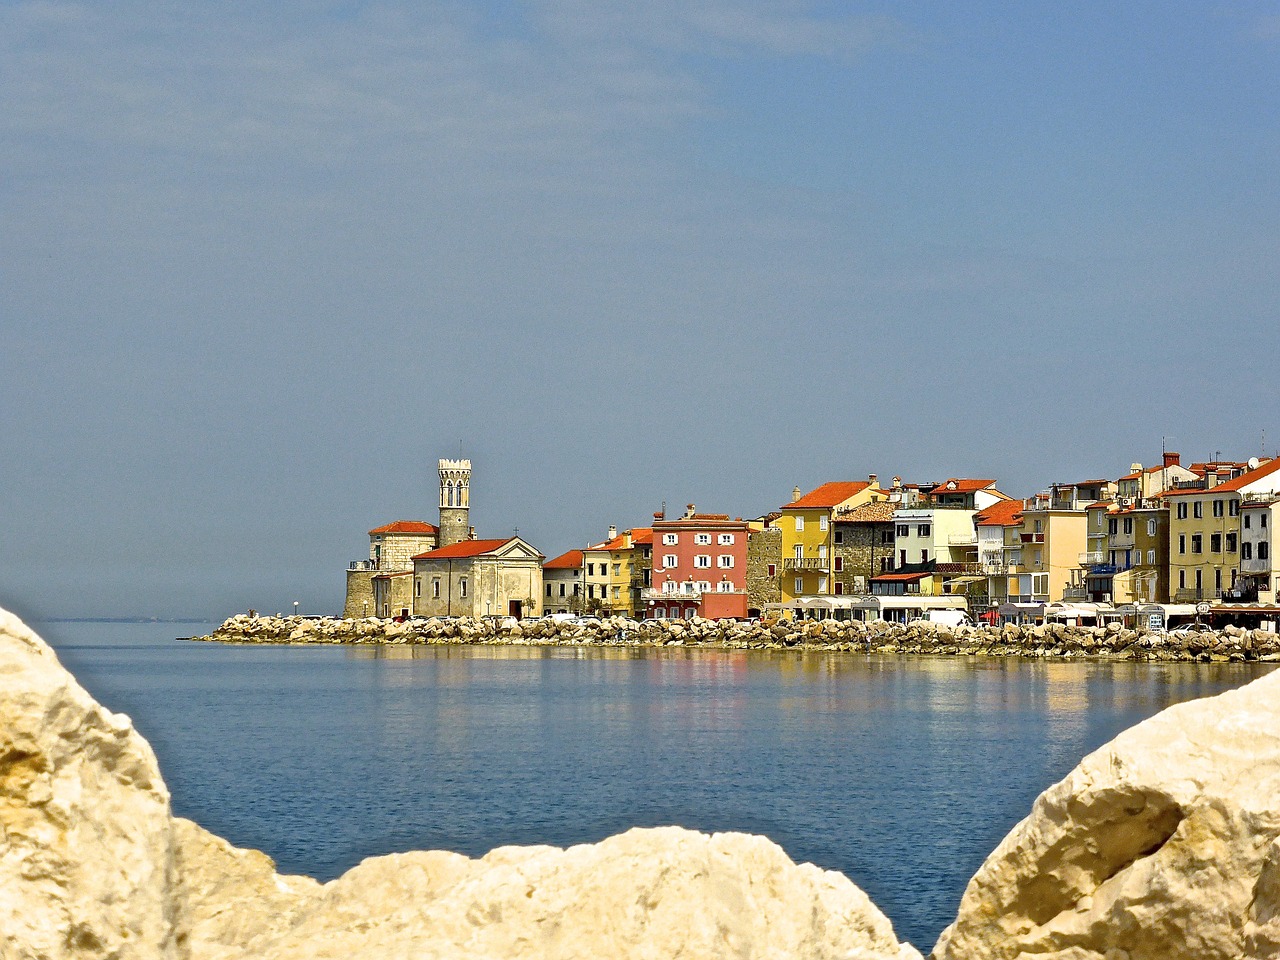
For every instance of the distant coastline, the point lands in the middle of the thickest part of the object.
(122, 620)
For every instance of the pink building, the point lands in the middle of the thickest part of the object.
(699, 567)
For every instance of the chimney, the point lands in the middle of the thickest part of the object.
(872, 478)
(471, 533)
(795, 494)
(1137, 467)
(897, 483)
(688, 510)
(613, 532)
(660, 514)
(1172, 459)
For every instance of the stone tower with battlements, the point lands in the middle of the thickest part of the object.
(455, 501)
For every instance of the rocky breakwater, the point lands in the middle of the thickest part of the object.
(1050, 640)
(93, 865)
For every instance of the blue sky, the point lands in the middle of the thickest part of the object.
(263, 264)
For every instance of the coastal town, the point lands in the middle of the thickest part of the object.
(1158, 545)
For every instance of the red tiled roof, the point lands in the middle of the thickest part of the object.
(829, 494)
(962, 485)
(464, 548)
(900, 576)
(566, 561)
(1005, 513)
(1100, 505)
(642, 535)
(405, 526)
(1247, 478)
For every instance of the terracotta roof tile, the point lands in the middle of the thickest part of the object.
(405, 526)
(1006, 513)
(829, 494)
(1245, 479)
(566, 561)
(465, 548)
(962, 485)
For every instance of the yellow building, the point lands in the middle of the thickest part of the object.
(806, 525)
(614, 571)
(1204, 532)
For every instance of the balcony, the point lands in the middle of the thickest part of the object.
(1092, 557)
(1032, 537)
(963, 539)
(821, 564)
(363, 565)
(1191, 595)
(1255, 566)
(684, 593)
(1077, 592)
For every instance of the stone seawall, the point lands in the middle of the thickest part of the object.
(1055, 640)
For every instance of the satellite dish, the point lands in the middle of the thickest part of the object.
(1253, 463)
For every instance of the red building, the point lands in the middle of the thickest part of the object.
(699, 567)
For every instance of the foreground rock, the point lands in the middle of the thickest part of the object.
(1161, 845)
(92, 865)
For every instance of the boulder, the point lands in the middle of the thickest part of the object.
(1162, 845)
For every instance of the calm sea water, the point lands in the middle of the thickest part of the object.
(902, 773)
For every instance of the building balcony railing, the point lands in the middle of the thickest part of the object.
(1031, 537)
(1093, 556)
(1255, 566)
(1079, 592)
(1122, 541)
(999, 569)
(364, 565)
(1191, 595)
(962, 539)
(806, 563)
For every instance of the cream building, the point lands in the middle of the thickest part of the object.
(374, 588)
(479, 578)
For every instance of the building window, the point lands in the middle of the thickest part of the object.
(1231, 543)
(799, 524)
(435, 588)
(660, 613)
(922, 530)
(1182, 579)
(702, 539)
(1128, 524)
(822, 551)
(670, 539)
(1197, 543)
(462, 586)
(1151, 528)
(669, 561)
(591, 569)
(725, 539)
(822, 584)
(822, 523)
(1112, 529)
(886, 537)
(1233, 508)
(904, 530)
(417, 587)
(562, 589)
(839, 588)
(773, 570)
(1264, 551)
(726, 561)
(1215, 541)
(924, 556)
(1151, 558)
(1197, 509)
(1217, 508)
(838, 536)
(839, 564)
(799, 551)
(1262, 520)
(1247, 518)
(1182, 543)
(616, 593)
(799, 585)
(617, 569)
(1182, 511)
(549, 589)
(1246, 551)
(1038, 526)
(704, 586)
(702, 561)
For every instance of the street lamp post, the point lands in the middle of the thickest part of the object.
(295, 608)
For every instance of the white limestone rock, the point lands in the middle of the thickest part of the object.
(1161, 845)
(84, 818)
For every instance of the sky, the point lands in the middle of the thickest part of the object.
(263, 264)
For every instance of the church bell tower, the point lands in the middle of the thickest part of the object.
(455, 501)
